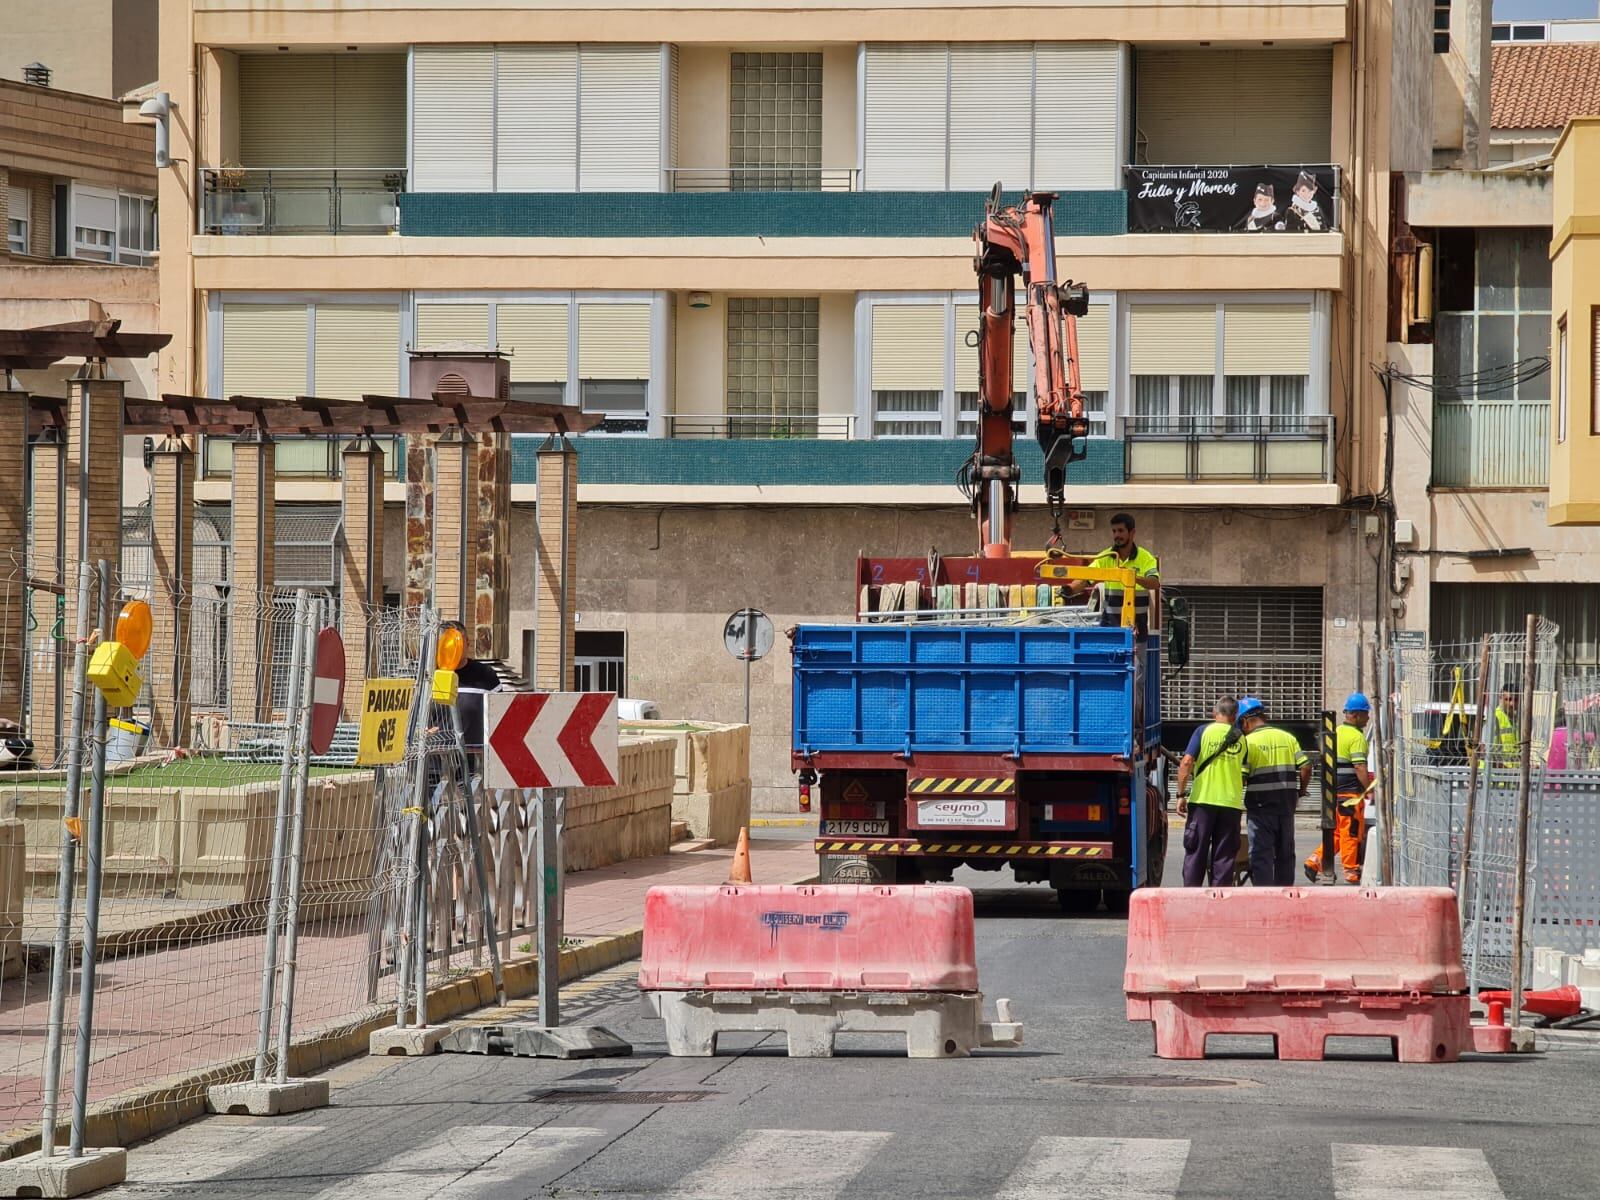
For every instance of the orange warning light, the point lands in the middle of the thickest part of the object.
(133, 627)
(452, 651)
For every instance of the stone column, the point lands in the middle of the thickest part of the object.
(14, 541)
(171, 590)
(254, 566)
(419, 521)
(492, 584)
(48, 651)
(361, 572)
(556, 532)
(455, 519)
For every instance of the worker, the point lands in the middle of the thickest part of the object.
(1351, 782)
(1507, 744)
(1211, 797)
(1276, 774)
(1125, 551)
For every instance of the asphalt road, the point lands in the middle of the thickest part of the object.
(1082, 1111)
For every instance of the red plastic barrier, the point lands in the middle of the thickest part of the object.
(834, 937)
(1555, 1003)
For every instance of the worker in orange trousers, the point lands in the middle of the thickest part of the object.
(1351, 782)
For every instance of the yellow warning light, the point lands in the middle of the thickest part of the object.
(446, 687)
(452, 651)
(114, 670)
(133, 627)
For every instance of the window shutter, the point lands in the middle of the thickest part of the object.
(369, 110)
(908, 348)
(1594, 372)
(1076, 140)
(1173, 339)
(264, 350)
(437, 324)
(967, 356)
(1292, 125)
(536, 118)
(20, 201)
(1266, 339)
(906, 129)
(614, 341)
(535, 336)
(1094, 349)
(453, 119)
(357, 351)
(1296, 126)
(984, 79)
(286, 110)
(620, 117)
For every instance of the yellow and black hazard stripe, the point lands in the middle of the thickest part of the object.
(1013, 850)
(939, 786)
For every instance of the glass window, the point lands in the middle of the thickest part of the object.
(967, 413)
(136, 229)
(775, 122)
(1441, 26)
(543, 393)
(614, 395)
(772, 366)
(16, 236)
(907, 414)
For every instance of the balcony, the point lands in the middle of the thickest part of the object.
(764, 428)
(1485, 443)
(764, 179)
(242, 201)
(1304, 198)
(1259, 449)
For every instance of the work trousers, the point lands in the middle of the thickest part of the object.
(1271, 828)
(1210, 845)
(1349, 834)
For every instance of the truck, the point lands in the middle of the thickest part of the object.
(1002, 709)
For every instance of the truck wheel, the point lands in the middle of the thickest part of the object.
(1157, 856)
(1117, 901)
(1078, 900)
(844, 868)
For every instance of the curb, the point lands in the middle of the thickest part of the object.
(781, 822)
(140, 1113)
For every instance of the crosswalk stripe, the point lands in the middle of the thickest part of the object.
(1412, 1173)
(764, 1162)
(461, 1163)
(1091, 1168)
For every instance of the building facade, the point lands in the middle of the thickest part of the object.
(742, 236)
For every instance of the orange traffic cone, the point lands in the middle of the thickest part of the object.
(741, 859)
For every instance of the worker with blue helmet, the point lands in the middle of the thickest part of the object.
(1276, 774)
(1352, 782)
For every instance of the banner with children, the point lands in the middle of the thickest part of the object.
(1232, 199)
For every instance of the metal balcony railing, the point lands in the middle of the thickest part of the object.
(1263, 449)
(762, 427)
(244, 201)
(764, 179)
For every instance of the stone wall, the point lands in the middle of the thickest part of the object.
(631, 820)
(711, 769)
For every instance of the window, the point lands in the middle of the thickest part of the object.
(614, 364)
(19, 219)
(772, 366)
(136, 229)
(1561, 382)
(1441, 26)
(599, 661)
(94, 224)
(775, 121)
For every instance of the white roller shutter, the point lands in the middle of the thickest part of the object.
(1172, 339)
(535, 336)
(357, 351)
(286, 109)
(614, 341)
(905, 119)
(1094, 349)
(20, 204)
(1279, 107)
(908, 348)
(536, 129)
(1077, 143)
(619, 113)
(369, 110)
(986, 82)
(264, 350)
(1266, 339)
(437, 324)
(453, 119)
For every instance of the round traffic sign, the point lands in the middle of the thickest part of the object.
(327, 690)
(748, 635)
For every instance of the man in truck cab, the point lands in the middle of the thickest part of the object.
(1211, 796)
(1125, 552)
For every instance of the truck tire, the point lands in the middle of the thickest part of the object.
(1157, 855)
(1078, 900)
(846, 868)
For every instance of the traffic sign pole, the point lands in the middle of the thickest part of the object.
(550, 883)
(297, 841)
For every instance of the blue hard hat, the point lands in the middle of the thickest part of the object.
(1249, 707)
(1357, 703)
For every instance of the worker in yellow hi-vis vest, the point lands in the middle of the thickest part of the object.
(1351, 781)
(1506, 746)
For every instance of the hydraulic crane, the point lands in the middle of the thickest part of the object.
(1020, 240)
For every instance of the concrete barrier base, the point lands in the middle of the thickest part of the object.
(412, 1042)
(267, 1098)
(527, 1040)
(35, 1175)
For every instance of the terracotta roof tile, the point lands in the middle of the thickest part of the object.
(1541, 86)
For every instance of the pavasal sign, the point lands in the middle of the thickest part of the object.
(385, 714)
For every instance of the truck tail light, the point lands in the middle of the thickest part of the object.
(805, 796)
(1074, 812)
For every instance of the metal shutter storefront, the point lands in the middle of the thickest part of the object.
(1264, 642)
(1266, 339)
(908, 348)
(1077, 143)
(357, 350)
(452, 138)
(905, 120)
(535, 336)
(536, 118)
(1235, 106)
(264, 350)
(1172, 339)
(1464, 612)
(440, 323)
(982, 149)
(619, 113)
(967, 356)
(613, 341)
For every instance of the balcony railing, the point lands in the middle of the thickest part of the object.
(302, 457)
(1263, 449)
(1491, 443)
(764, 179)
(1293, 198)
(760, 428)
(301, 200)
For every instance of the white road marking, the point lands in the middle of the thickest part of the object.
(459, 1163)
(1090, 1168)
(783, 1164)
(206, 1151)
(1412, 1173)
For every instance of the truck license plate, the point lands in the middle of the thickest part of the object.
(855, 828)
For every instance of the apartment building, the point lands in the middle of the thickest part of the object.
(741, 233)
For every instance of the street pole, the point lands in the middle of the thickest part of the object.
(1524, 791)
(1330, 796)
(549, 913)
(305, 636)
(419, 831)
(749, 657)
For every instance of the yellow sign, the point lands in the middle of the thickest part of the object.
(385, 714)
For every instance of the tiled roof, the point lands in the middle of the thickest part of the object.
(1539, 87)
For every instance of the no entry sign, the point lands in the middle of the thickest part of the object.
(552, 739)
(327, 690)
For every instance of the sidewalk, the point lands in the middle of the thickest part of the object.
(183, 1008)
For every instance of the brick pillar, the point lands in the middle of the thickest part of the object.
(492, 583)
(361, 572)
(14, 541)
(172, 590)
(455, 519)
(254, 564)
(556, 534)
(48, 657)
(419, 521)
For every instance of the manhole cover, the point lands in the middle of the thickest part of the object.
(595, 1096)
(1152, 1081)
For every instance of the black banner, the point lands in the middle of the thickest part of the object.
(1231, 199)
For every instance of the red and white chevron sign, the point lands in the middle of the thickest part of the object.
(551, 739)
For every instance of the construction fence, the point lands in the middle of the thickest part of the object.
(188, 887)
